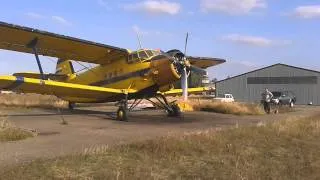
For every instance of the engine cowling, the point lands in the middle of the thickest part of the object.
(164, 71)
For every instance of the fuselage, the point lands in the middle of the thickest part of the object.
(145, 71)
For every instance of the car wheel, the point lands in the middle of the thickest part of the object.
(291, 104)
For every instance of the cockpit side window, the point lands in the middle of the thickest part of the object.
(156, 52)
(133, 58)
(143, 55)
(149, 52)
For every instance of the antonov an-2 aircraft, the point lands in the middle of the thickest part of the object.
(121, 74)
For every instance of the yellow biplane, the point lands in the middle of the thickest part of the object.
(121, 74)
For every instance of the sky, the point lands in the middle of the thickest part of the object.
(249, 34)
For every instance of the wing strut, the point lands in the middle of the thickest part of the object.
(33, 45)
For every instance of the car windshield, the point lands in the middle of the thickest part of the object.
(276, 94)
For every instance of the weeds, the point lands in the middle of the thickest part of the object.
(8, 132)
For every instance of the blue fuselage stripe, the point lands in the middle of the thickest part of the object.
(121, 78)
(19, 81)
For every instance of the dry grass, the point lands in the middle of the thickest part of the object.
(8, 132)
(14, 134)
(227, 108)
(288, 149)
(31, 100)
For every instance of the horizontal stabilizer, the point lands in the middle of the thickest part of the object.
(59, 77)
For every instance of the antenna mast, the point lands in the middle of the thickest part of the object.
(139, 40)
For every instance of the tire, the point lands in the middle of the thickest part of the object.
(176, 111)
(122, 114)
(291, 104)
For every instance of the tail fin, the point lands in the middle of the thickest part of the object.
(64, 67)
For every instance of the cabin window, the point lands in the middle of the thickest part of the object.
(156, 52)
(143, 55)
(133, 58)
(149, 52)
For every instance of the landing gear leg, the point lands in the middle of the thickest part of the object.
(71, 105)
(122, 113)
(172, 109)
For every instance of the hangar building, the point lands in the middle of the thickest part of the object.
(247, 87)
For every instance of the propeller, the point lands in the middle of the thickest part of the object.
(183, 66)
(184, 74)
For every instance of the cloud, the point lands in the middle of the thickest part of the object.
(144, 32)
(34, 15)
(60, 20)
(254, 40)
(103, 4)
(232, 68)
(307, 12)
(138, 30)
(247, 64)
(234, 7)
(191, 13)
(155, 7)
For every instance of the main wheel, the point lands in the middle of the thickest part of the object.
(176, 111)
(122, 114)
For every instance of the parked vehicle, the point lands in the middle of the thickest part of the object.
(284, 97)
(225, 98)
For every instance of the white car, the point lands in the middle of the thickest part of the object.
(225, 98)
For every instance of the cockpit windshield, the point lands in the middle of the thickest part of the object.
(141, 55)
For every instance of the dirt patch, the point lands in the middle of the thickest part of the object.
(48, 133)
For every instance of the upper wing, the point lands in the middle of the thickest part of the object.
(60, 89)
(205, 62)
(16, 38)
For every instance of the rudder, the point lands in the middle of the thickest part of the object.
(64, 67)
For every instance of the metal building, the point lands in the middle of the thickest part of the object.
(248, 87)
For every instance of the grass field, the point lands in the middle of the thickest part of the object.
(286, 149)
(235, 108)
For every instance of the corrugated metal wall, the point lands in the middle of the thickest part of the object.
(242, 91)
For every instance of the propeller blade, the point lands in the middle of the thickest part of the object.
(184, 75)
(184, 84)
(186, 44)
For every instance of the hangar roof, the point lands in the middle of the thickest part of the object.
(267, 68)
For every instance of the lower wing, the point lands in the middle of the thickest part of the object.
(60, 89)
(197, 90)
